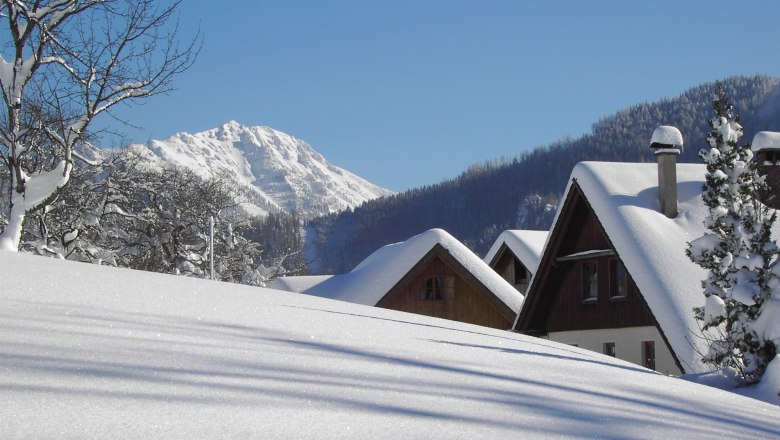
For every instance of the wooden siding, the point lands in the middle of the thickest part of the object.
(509, 267)
(557, 296)
(463, 299)
(503, 264)
(569, 311)
(554, 302)
(772, 173)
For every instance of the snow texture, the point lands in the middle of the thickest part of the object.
(272, 169)
(667, 135)
(297, 284)
(121, 354)
(766, 140)
(526, 245)
(652, 247)
(373, 278)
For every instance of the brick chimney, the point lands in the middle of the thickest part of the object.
(766, 147)
(667, 143)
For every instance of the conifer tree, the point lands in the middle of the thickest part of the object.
(737, 250)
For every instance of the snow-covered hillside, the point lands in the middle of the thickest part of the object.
(98, 352)
(272, 169)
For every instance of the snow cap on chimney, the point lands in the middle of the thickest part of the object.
(665, 139)
(667, 142)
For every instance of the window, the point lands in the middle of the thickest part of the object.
(522, 277)
(433, 289)
(648, 354)
(618, 283)
(590, 281)
(449, 287)
(609, 349)
(771, 156)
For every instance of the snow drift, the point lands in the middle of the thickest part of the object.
(99, 352)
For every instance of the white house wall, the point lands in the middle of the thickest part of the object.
(628, 344)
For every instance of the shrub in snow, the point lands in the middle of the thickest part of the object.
(738, 252)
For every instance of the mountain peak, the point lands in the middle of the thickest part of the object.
(272, 170)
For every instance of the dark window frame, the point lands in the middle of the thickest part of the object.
(434, 289)
(589, 281)
(618, 280)
(648, 354)
(522, 277)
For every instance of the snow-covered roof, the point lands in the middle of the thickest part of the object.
(766, 140)
(297, 284)
(526, 245)
(373, 278)
(624, 197)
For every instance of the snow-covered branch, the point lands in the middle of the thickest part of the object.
(68, 61)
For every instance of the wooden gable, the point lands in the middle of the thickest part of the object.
(509, 267)
(462, 297)
(557, 299)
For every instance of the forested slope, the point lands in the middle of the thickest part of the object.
(488, 198)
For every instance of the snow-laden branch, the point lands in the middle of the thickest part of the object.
(62, 68)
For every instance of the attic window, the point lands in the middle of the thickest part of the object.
(433, 288)
(522, 277)
(618, 279)
(590, 281)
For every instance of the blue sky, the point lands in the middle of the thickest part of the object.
(407, 93)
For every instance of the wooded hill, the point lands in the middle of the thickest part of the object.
(522, 192)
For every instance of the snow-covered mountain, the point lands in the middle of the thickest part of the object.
(272, 170)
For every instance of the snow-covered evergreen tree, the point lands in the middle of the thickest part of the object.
(737, 250)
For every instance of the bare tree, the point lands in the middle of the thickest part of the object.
(64, 62)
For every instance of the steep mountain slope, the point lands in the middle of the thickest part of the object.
(486, 199)
(273, 170)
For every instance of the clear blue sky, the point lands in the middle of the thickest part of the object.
(407, 93)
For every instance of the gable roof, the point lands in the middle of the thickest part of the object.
(373, 278)
(526, 245)
(624, 198)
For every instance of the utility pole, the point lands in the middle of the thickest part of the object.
(211, 247)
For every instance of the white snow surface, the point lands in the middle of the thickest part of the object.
(373, 278)
(527, 246)
(766, 140)
(272, 169)
(101, 352)
(667, 135)
(297, 284)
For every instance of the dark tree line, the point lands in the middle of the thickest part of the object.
(488, 198)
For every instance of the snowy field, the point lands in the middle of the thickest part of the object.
(96, 352)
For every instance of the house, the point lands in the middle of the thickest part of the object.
(430, 274)
(614, 276)
(766, 147)
(515, 256)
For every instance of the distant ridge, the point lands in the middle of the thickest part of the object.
(488, 198)
(272, 170)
